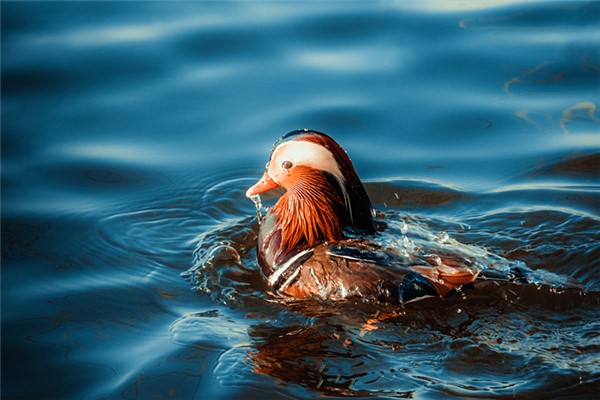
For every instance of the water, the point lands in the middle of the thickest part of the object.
(131, 130)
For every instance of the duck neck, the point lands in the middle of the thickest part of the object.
(310, 213)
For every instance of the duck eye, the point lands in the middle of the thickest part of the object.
(286, 164)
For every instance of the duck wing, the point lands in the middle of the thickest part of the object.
(360, 269)
(445, 272)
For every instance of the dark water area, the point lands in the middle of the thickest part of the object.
(131, 131)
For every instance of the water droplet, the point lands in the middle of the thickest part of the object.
(403, 227)
(436, 260)
(320, 382)
(443, 237)
(322, 368)
(258, 204)
(405, 247)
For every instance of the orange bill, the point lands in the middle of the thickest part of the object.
(263, 185)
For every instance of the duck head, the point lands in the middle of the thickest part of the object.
(324, 197)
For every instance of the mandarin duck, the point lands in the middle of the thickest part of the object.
(317, 241)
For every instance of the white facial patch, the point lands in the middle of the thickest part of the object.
(307, 154)
(310, 155)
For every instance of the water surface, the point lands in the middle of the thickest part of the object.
(131, 130)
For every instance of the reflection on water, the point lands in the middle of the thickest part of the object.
(535, 76)
(469, 344)
(585, 109)
(130, 132)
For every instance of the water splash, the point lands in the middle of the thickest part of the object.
(259, 208)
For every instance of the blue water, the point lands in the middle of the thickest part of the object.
(131, 130)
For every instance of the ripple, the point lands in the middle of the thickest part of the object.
(131, 131)
(550, 239)
(209, 328)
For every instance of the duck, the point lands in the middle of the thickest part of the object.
(318, 241)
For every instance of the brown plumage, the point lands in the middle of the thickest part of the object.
(305, 215)
(302, 245)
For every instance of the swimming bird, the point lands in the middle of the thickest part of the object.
(318, 240)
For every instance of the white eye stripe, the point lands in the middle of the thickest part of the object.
(308, 154)
(312, 155)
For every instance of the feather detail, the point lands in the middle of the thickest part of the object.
(310, 212)
(355, 197)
